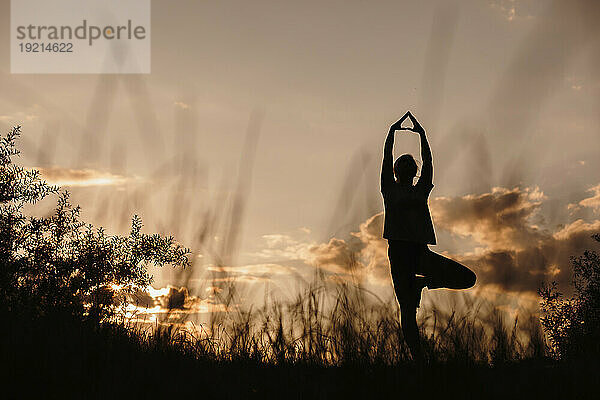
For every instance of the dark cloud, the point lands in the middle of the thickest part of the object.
(527, 268)
(512, 253)
(517, 255)
(499, 219)
(142, 298)
(169, 298)
(175, 299)
(337, 254)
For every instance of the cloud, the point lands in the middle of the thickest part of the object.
(18, 117)
(282, 247)
(525, 269)
(254, 269)
(499, 219)
(592, 202)
(182, 105)
(80, 177)
(336, 255)
(142, 299)
(173, 299)
(513, 254)
(516, 254)
(251, 273)
(374, 252)
(176, 298)
(363, 255)
(168, 298)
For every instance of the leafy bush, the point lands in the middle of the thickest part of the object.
(573, 324)
(59, 261)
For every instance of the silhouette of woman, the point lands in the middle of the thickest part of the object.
(408, 229)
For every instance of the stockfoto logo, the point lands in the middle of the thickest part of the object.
(74, 36)
(82, 32)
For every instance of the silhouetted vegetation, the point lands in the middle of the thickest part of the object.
(333, 340)
(58, 261)
(573, 324)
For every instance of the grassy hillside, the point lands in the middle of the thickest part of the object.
(60, 357)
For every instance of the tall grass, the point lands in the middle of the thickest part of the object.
(338, 324)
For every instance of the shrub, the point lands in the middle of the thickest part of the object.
(59, 261)
(573, 324)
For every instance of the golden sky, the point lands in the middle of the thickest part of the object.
(286, 106)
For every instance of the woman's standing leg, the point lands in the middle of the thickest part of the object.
(410, 329)
(403, 263)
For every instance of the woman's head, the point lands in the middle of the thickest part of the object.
(405, 168)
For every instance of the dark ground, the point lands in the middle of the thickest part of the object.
(54, 358)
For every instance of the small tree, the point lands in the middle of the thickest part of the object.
(59, 261)
(573, 325)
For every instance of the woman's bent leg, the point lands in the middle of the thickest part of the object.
(442, 272)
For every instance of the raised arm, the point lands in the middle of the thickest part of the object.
(427, 169)
(387, 167)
